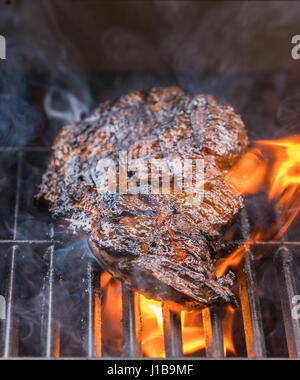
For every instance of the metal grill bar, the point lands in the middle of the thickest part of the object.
(49, 352)
(213, 331)
(25, 149)
(287, 288)
(50, 348)
(97, 309)
(132, 348)
(94, 319)
(255, 340)
(37, 242)
(9, 340)
(90, 343)
(52, 338)
(18, 193)
(9, 345)
(251, 311)
(172, 332)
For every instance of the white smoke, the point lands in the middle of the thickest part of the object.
(36, 44)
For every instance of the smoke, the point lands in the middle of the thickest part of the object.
(41, 88)
(18, 120)
(230, 37)
(40, 80)
(65, 101)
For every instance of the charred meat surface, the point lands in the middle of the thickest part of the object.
(164, 245)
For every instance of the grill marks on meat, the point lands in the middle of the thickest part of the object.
(163, 245)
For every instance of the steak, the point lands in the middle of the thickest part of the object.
(162, 243)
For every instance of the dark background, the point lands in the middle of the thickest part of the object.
(66, 56)
(160, 35)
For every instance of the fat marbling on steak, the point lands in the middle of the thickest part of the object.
(164, 245)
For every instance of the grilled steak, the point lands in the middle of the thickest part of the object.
(163, 244)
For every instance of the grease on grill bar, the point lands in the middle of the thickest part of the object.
(55, 327)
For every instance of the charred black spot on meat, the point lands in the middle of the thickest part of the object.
(163, 245)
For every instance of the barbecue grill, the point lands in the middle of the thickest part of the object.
(45, 332)
(50, 280)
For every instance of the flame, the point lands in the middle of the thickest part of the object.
(237, 256)
(149, 314)
(151, 317)
(274, 165)
(112, 313)
(227, 323)
(152, 341)
(193, 338)
(152, 338)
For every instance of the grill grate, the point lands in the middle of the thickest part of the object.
(50, 326)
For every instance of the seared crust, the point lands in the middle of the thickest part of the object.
(163, 245)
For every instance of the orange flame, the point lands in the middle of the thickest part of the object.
(227, 324)
(193, 338)
(150, 314)
(112, 313)
(236, 257)
(275, 165)
(152, 339)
